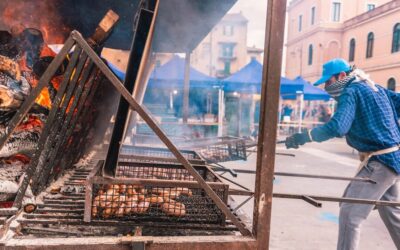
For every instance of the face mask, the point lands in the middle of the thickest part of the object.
(336, 88)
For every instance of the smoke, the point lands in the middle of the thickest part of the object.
(43, 15)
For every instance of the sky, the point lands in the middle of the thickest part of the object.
(255, 11)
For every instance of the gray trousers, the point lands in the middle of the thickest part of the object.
(352, 215)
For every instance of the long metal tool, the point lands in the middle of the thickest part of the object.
(338, 199)
(328, 177)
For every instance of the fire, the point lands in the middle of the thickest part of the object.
(32, 123)
(44, 99)
(51, 24)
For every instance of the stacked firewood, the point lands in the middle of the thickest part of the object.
(24, 56)
(125, 200)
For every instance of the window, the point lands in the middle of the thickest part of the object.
(391, 85)
(336, 12)
(228, 30)
(352, 50)
(227, 68)
(396, 38)
(300, 22)
(370, 7)
(370, 45)
(226, 50)
(312, 15)
(310, 54)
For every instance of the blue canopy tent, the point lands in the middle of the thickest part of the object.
(310, 92)
(171, 75)
(248, 80)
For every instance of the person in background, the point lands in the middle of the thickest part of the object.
(325, 113)
(367, 114)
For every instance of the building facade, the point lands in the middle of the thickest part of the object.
(364, 32)
(224, 50)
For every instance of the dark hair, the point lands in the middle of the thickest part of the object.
(347, 73)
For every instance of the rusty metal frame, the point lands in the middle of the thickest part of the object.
(80, 41)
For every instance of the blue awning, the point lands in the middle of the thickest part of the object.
(310, 92)
(248, 80)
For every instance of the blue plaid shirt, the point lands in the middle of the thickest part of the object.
(368, 119)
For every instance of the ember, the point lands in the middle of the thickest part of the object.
(17, 79)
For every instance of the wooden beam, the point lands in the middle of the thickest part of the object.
(151, 243)
(275, 29)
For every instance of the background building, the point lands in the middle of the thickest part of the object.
(224, 50)
(365, 32)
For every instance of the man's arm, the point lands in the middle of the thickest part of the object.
(395, 97)
(341, 121)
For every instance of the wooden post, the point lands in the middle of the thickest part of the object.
(268, 121)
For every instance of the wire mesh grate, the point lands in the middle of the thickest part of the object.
(155, 192)
(147, 203)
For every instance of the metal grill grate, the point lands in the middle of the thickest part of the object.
(148, 154)
(219, 149)
(153, 192)
(147, 203)
(161, 171)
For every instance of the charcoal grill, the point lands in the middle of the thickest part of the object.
(207, 198)
(153, 192)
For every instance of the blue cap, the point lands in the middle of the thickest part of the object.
(331, 68)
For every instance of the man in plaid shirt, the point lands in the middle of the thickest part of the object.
(367, 115)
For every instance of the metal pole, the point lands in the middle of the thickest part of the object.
(186, 87)
(239, 115)
(300, 96)
(220, 111)
(171, 100)
(275, 25)
(252, 112)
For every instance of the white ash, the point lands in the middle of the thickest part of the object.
(12, 171)
(8, 190)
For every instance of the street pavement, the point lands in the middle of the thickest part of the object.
(299, 225)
